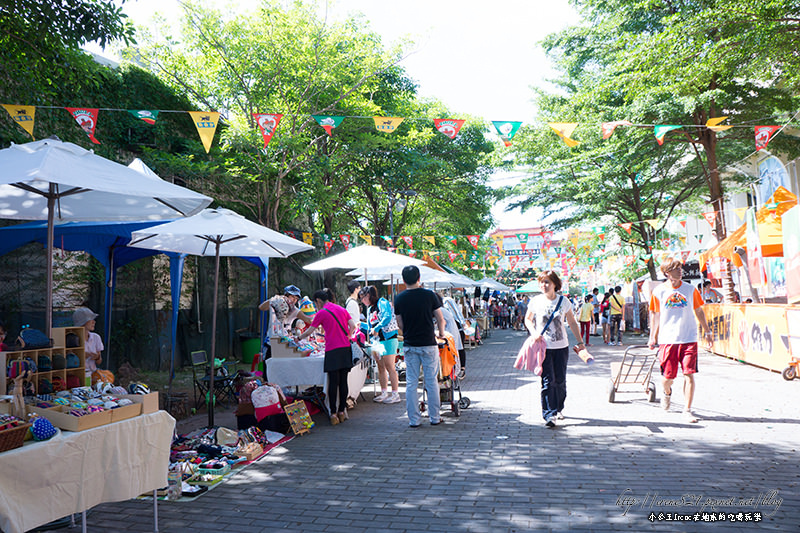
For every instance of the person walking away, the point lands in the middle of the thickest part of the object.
(617, 314)
(604, 317)
(547, 316)
(596, 311)
(415, 309)
(675, 311)
(338, 356)
(382, 326)
(585, 318)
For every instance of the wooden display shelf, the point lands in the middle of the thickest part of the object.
(59, 348)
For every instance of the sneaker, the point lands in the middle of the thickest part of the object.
(392, 398)
(689, 416)
(665, 401)
(560, 415)
(551, 422)
(380, 398)
(462, 375)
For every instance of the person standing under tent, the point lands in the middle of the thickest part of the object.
(547, 318)
(338, 356)
(675, 312)
(382, 326)
(617, 315)
(415, 309)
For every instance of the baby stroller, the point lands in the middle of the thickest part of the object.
(447, 379)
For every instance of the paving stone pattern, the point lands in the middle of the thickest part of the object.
(607, 467)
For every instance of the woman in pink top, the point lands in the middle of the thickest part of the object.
(339, 327)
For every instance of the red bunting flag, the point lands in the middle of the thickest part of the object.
(764, 135)
(627, 226)
(513, 260)
(448, 126)
(473, 240)
(345, 240)
(409, 241)
(711, 218)
(685, 255)
(452, 255)
(86, 119)
(608, 127)
(328, 245)
(412, 253)
(267, 123)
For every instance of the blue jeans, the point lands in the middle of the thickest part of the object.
(426, 357)
(554, 381)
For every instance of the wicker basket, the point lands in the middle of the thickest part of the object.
(13, 438)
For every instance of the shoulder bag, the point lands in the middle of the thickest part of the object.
(355, 349)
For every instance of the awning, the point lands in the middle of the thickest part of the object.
(769, 231)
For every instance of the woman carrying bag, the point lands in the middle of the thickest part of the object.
(382, 326)
(545, 320)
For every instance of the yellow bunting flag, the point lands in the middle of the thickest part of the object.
(430, 238)
(740, 211)
(308, 238)
(564, 130)
(206, 124)
(713, 124)
(653, 222)
(387, 124)
(23, 115)
(367, 238)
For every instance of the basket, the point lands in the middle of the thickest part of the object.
(13, 437)
(215, 471)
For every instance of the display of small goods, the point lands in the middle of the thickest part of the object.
(13, 431)
(313, 346)
(298, 417)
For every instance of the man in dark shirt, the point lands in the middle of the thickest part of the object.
(415, 309)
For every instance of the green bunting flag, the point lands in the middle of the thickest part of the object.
(506, 130)
(328, 122)
(660, 131)
(147, 115)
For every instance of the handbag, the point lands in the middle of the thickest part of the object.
(355, 350)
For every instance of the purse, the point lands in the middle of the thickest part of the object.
(355, 350)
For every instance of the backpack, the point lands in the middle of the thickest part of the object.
(33, 339)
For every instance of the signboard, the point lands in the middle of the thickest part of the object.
(791, 253)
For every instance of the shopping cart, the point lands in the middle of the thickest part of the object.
(449, 384)
(633, 373)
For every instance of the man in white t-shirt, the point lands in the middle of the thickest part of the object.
(674, 306)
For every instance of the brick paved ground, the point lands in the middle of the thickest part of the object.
(497, 468)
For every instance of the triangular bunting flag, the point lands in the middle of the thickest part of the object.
(453, 239)
(473, 240)
(660, 131)
(523, 240)
(328, 246)
(328, 122)
(412, 253)
(684, 255)
(513, 260)
(713, 124)
(653, 222)
(430, 238)
(148, 115)
(388, 239)
(506, 130)
(206, 124)
(367, 238)
(463, 254)
(86, 119)
(711, 218)
(627, 226)
(682, 223)
(452, 255)
(308, 238)
(665, 242)
(345, 240)
(24, 115)
(764, 135)
(387, 124)
(607, 128)
(267, 123)
(740, 211)
(564, 130)
(448, 126)
(409, 241)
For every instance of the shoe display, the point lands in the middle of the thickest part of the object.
(380, 398)
(665, 401)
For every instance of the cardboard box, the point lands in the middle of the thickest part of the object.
(149, 401)
(61, 418)
(125, 412)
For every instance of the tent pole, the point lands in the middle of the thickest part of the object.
(48, 304)
(211, 395)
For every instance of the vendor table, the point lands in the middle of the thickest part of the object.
(308, 371)
(74, 471)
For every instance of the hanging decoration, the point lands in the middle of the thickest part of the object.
(448, 126)
(24, 115)
(388, 239)
(267, 123)
(86, 119)
(206, 124)
(565, 130)
(345, 241)
(661, 131)
(328, 122)
(711, 218)
(408, 240)
(506, 130)
(452, 238)
(627, 226)
(713, 124)
(473, 240)
(387, 124)
(764, 135)
(367, 238)
(452, 255)
(430, 239)
(607, 128)
(148, 115)
(308, 238)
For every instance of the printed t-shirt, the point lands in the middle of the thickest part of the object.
(335, 336)
(587, 310)
(541, 307)
(416, 307)
(615, 302)
(677, 323)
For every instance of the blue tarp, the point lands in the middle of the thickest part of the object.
(107, 242)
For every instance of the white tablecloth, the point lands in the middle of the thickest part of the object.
(44, 481)
(308, 371)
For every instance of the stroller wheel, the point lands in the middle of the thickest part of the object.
(789, 373)
(464, 402)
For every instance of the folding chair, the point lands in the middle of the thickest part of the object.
(223, 381)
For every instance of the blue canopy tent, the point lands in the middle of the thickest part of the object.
(107, 242)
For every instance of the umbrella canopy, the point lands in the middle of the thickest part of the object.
(217, 232)
(493, 284)
(531, 286)
(427, 274)
(769, 231)
(364, 257)
(51, 179)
